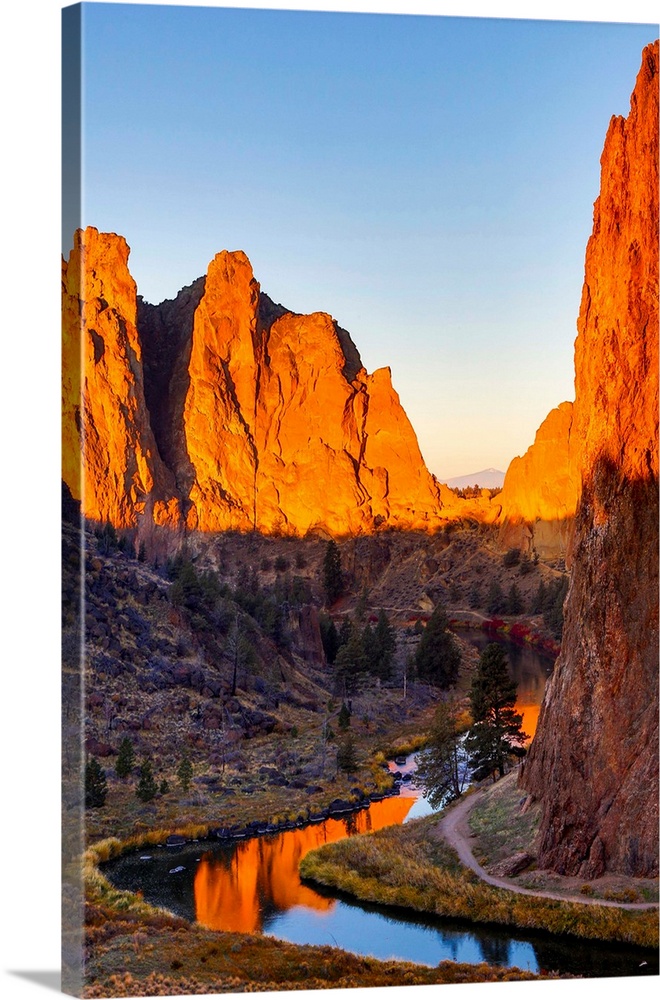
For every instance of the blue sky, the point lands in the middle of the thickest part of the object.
(428, 181)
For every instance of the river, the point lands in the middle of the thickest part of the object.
(252, 886)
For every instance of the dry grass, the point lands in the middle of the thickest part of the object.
(405, 866)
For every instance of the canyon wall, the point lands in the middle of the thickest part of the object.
(110, 458)
(222, 410)
(540, 491)
(594, 761)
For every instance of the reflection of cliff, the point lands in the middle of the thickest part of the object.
(262, 874)
(594, 762)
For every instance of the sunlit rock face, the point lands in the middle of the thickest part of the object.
(220, 409)
(285, 430)
(121, 476)
(540, 491)
(594, 761)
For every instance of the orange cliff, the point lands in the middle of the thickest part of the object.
(220, 409)
(594, 763)
(113, 466)
(540, 491)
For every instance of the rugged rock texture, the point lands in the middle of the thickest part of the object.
(540, 491)
(594, 761)
(122, 476)
(220, 409)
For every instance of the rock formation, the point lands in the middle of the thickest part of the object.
(110, 458)
(594, 761)
(220, 409)
(539, 495)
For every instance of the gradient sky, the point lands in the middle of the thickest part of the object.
(428, 181)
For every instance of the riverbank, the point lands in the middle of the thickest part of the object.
(521, 631)
(137, 949)
(414, 867)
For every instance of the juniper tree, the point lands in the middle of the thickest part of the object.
(496, 733)
(332, 578)
(96, 786)
(347, 759)
(438, 656)
(147, 787)
(185, 772)
(125, 758)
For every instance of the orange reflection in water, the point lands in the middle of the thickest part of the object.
(262, 873)
(530, 714)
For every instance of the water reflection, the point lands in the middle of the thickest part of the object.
(234, 890)
(528, 669)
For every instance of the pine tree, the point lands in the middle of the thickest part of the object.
(495, 599)
(438, 657)
(441, 765)
(496, 733)
(125, 759)
(351, 663)
(185, 772)
(514, 600)
(347, 759)
(96, 786)
(147, 787)
(344, 717)
(332, 578)
(329, 637)
(386, 644)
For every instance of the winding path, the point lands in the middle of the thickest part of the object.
(452, 828)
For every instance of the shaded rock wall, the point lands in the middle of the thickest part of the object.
(594, 761)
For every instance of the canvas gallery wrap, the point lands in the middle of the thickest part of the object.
(359, 500)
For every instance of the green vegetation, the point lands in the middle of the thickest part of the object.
(333, 583)
(439, 767)
(185, 772)
(147, 787)
(96, 786)
(347, 757)
(496, 733)
(125, 758)
(411, 866)
(438, 656)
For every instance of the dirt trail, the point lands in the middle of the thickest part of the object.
(454, 829)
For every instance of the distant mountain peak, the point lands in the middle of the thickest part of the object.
(487, 478)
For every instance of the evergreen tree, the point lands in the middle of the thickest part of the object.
(553, 607)
(495, 599)
(147, 787)
(441, 765)
(438, 656)
(164, 787)
(125, 758)
(344, 717)
(96, 786)
(386, 645)
(351, 663)
(329, 637)
(514, 600)
(347, 758)
(474, 596)
(538, 600)
(496, 733)
(332, 578)
(345, 631)
(185, 772)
